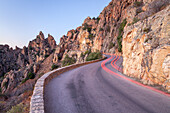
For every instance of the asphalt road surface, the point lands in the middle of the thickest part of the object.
(91, 89)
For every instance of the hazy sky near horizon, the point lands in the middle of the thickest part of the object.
(21, 20)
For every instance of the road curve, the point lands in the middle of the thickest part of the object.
(92, 89)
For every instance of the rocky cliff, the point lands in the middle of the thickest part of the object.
(20, 68)
(136, 29)
(142, 25)
(146, 46)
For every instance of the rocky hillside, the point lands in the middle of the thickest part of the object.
(146, 45)
(142, 25)
(20, 67)
(136, 29)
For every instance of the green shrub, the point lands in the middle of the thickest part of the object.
(68, 61)
(94, 56)
(139, 11)
(46, 56)
(101, 29)
(29, 76)
(146, 40)
(87, 52)
(122, 25)
(59, 57)
(89, 29)
(98, 20)
(137, 4)
(119, 38)
(38, 53)
(111, 45)
(85, 26)
(94, 29)
(135, 20)
(54, 66)
(82, 55)
(129, 24)
(30, 48)
(90, 36)
(53, 50)
(5, 84)
(146, 30)
(19, 108)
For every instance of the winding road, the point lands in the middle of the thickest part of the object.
(100, 88)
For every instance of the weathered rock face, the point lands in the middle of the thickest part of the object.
(143, 25)
(40, 48)
(146, 49)
(101, 33)
(10, 59)
(13, 78)
(146, 35)
(16, 64)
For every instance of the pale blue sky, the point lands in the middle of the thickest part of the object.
(21, 20)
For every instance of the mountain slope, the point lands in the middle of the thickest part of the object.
(136, 29)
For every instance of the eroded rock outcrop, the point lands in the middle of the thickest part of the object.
(146, 49)
(142, 24)
(16, 64)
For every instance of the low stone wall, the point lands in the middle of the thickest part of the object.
(37, 99)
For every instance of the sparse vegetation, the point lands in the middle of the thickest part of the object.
(5, 84)
(129, 24)
(68, 61)
(119, 38)
(82, 55)
(90, 36)
(19, 108)
(46, 55)
(146, 30)
(146, 40)
(54, 66)
(98, 20)
(38, 37)
(29, 76)
(38, 53)
(40, 74)
(101, 29)
(137, 4)
(59, 57)
(53, 50)
(87, 52)
(30, 48)
(122, 25)
(111, 45)
(88, 27)
(94, 56)
(139, 11)
(135, 20)
(85, 26)
(41, 53)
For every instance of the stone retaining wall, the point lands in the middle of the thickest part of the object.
(37, 99)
